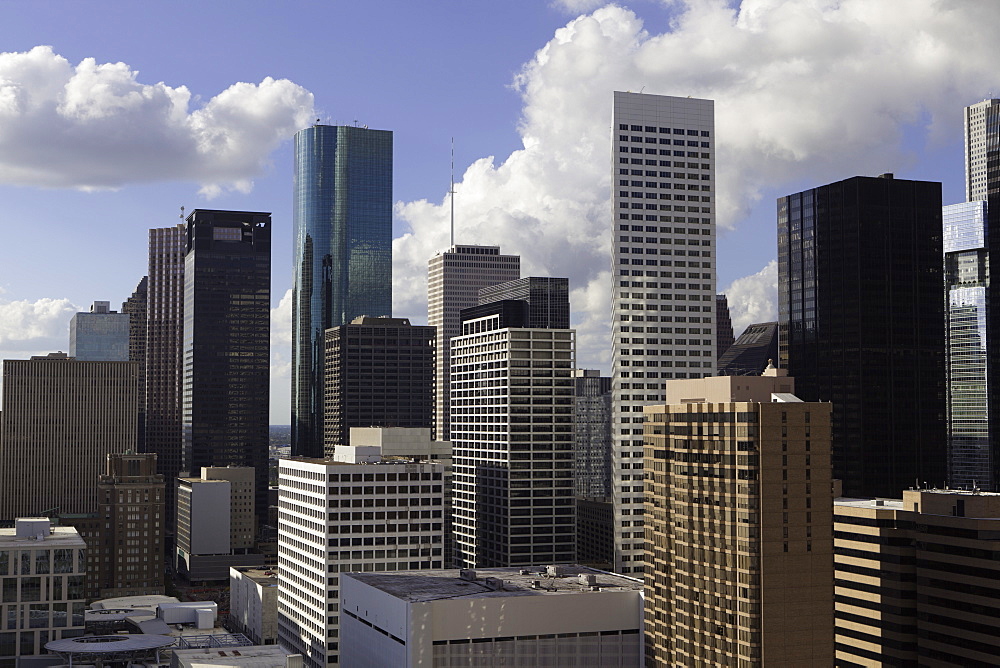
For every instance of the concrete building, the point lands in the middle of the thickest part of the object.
(165, 354)
(216, 522)
(379, 373)
(42, 573)
(512, 427)
(560, 615)
(663, 294)
(916, 579)
(738, 525)
(253, 603)
(254, 656)
(60, 418)
(342, 215)
(980, 138)
(454, 279)
(337, 517)
(227, 344)
(102, 335)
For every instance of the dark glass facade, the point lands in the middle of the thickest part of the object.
(750, 354)
(861, 324)
(136, 306)
(342, 210)
(227, 309)
(548, 299)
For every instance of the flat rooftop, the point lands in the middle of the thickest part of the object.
(60, 536)
(261, 656)
(265, 575)
(892, 504)
(431, 585)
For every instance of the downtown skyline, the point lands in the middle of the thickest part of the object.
(832, 102)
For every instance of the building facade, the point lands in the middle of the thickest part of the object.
(723, 326)
(42, 573)
(663, 294)
(136, 307)
(165, 354)
(227, 324)
(593, 433)
(547, 299)
(339, 517)
(750, 354)
(454, 279)
(916, 579)
(738, 525)
(566, 615)
(60, 418)
(861, 324)
(982, 131)
(253, 603)
(512, 427)
(102, 335)
(342, 213)
(379, 373)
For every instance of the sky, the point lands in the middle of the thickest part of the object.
(114, 115)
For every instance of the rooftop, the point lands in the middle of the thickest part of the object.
(892, 504)
(265, 575)
(59, 536)
(254, 655)
(422, 586)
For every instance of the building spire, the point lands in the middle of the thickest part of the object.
(452, 192)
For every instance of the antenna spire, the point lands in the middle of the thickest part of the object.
(452, 192)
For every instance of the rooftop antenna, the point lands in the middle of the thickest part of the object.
(452, 192)
(182, 213)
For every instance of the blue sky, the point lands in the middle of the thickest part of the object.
(806, 93)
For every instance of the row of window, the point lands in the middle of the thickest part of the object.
(665, 131)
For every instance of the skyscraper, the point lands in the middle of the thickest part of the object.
(593, 433)
(342, 210)
(227, 310)
(164, 354)
(454, 279)
(723, 326)
(750, 354)
(136, 306)
(60, 418)
(982, 137)
(512, 418)
(99, 336)
(663, 295)
(547, 298)
(739, 525)
(861, 324)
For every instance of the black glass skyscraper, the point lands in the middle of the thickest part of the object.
(342, 209)
(227, 310)
(861, 324)
(547, 298)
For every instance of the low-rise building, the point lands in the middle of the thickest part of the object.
(526, 617)
(253, 603)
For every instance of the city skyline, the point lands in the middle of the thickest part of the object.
(545, 195)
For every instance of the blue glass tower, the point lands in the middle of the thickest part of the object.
(342, 209)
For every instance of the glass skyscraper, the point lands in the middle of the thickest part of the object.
(342, 210)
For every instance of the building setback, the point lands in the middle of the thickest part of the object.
(60, 418)
(342, 212)
(663, 290)
(861, 324)
(227, 318)
(917, 579)
(547, 299)
(454, 279)
(379, 373)
(738, 525)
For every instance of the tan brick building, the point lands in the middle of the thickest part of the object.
(738, 518)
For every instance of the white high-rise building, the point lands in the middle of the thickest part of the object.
(512, 416)
(453, 282)
(977, 143)
(336, 517)
(664, 277)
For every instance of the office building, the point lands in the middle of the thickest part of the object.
(454, 279)
(60, 418)
(981, 133)
(916, 579)
(379, 373)
(738, 523)
(342, 213)
(861, 324)
(752, 352)
(723, 326)
(136, 308)
(42, 569)
(340, 517)
(547, 298)
(216, 522)
(593, 433)
(227, 320)
(99, 336)
(595, 532)
(556, 615)
(253, 603)
(512, 428)
(164, 355)
(663, 290)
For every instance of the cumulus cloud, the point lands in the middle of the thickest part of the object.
(29, 328)
(94, 125)
(754, 298)
(823, 89)
(281, 359)
(577, 6)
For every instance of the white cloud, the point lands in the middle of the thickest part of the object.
(96, 126)
(38, 327)
(577, 6)
(753, 298)
(813, 89)
(281, 359)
